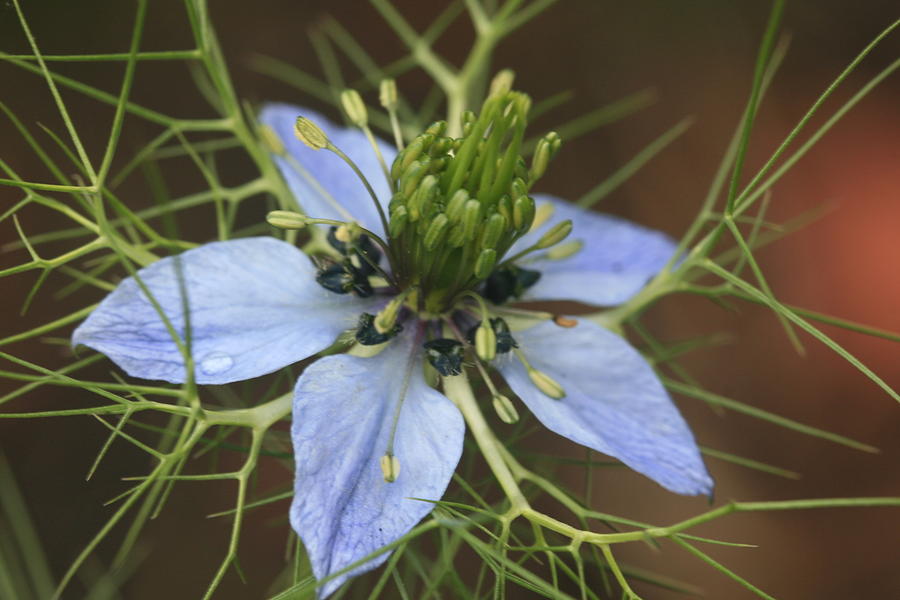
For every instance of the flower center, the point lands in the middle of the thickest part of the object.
(459, 204)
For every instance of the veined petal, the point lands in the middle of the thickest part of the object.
(334, 182)
(253, 304)
(618, 257)
(613, 402)
(344, 410)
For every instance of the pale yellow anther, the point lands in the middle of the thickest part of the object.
(502, 82)
(348, 232)
(387, 317)
(355, 108)
(505, 409)
(390, 468)
(310, 134)
(388, 93)
(541, 213)
(285, 219)
(565, 250)
(485, 341)
(557, 233)
(549, 386)
(271, 139)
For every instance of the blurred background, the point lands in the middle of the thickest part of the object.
(697, 58)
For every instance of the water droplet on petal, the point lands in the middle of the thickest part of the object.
(215, 363)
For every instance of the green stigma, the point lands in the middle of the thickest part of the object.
(460, 203)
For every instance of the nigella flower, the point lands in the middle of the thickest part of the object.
(422, 281)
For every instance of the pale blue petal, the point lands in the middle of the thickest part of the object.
(331, 172)
(254, 307)
(344, 409)
(614, 402)
(617, 260)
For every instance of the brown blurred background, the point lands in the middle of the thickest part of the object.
(698, 57)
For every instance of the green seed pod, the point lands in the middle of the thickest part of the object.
(485, 262)
(436, 231)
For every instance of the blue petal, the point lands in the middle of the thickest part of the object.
(329, 170)
(618, 258)
(614, 402)
(254, 308)
(344, 409)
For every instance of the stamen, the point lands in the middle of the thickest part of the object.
(392, 461)
(312, 181)
(310, 134)
(271, 139)
(485, 341)
(490, 335)
(542, 212)
(387, 318)
(388, 97)
(286, 219)
(503, 406)
(546, 148)
(505, 409)
(565, 250)
(313, 136)
(546, 384)
(390, 468)
(356, 111)
(557, 233)
(502, 82)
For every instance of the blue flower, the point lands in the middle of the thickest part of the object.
(372, 439)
